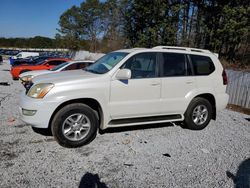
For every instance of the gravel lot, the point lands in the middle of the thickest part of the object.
(163, 155)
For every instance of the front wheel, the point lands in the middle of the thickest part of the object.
(74, 125)
(198, 114)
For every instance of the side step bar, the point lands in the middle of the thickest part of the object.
(145, 119)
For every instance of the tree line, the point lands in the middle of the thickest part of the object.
(221, 26)
(34, 42)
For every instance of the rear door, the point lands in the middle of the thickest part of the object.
(140, 95)
(177, 82)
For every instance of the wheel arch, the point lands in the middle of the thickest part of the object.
(92, 103)
(210, 97)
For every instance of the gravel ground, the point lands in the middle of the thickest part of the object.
(163, 155)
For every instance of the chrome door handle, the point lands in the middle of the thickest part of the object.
(155, 84)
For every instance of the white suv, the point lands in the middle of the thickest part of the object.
(127, 87)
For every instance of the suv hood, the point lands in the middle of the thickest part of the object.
(65, 76)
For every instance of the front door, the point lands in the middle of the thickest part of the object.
(140, 95)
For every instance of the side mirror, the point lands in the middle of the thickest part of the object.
(123, 74)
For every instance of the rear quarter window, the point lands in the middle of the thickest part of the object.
(202, 65)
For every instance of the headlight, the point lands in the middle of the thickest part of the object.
(40, 90)
(27, 78)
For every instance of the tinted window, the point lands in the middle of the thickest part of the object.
(71, 67)
(142, 65)
(83, 65)
(203, 65)
(56, 62)
(59, 66)
(174, 64)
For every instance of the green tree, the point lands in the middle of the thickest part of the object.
(150, 23)
(83, 23)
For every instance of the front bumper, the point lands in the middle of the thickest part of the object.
(44, 110)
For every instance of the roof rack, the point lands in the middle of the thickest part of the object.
(138, 48)
(182, 48)
(186, 49)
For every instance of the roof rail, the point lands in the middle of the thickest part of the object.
(182, 48)
(138, 48)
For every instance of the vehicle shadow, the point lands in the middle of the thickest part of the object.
(47, 132)
(90, 180)
(242, 177)
(44, 132)
(138, 127)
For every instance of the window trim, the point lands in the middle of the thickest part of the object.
(189, 61)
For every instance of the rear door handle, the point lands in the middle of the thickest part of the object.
(189, 82)
(155, 83)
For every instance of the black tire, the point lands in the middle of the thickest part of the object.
(191, 117)
(67, 112)
(25, 70)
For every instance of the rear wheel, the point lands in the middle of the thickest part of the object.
(198, 114)
(74, 125)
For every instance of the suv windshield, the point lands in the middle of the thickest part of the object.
(19, 55)
(106, 63)
(59, 66)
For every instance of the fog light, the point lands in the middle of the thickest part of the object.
(28, 112)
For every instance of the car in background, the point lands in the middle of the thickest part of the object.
(26, 77)
(10, 52)
(29, 60)
(22, 55)
(2, 52)
(43, 65)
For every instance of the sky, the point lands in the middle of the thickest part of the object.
(29, 18)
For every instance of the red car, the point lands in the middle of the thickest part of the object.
(44, 65)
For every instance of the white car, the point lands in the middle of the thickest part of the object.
(72, 65)
(128, 87)
(23, 55)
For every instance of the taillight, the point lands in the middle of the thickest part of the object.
(224, 77)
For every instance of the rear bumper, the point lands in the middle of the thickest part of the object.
(221, 101)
